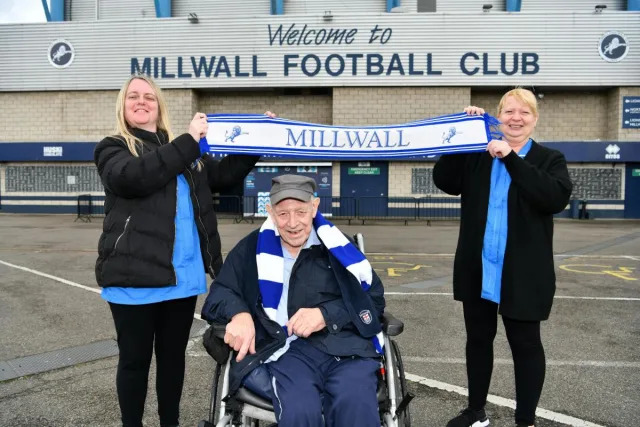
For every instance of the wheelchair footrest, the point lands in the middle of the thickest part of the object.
(406, 399)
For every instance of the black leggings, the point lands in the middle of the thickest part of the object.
(481, 321)
(169, 323)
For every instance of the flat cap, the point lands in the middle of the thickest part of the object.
(296, 187)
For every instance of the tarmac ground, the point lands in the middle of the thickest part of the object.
(58, 355)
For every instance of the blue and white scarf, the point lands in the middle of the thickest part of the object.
(259, 134)
(270, 262)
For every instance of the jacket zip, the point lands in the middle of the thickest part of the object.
(126, 224)
(204, 229)
(175, 231)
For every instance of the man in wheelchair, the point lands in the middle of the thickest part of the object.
(303, 307)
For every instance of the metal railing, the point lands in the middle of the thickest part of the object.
(371, 208)
(85, 208)
(250, 208)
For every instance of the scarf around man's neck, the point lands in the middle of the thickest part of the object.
(270, 262)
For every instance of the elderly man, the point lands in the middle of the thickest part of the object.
(303, 305)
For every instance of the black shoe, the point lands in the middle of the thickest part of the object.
(470, 418)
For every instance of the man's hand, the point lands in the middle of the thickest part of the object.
(241, 335)
(305, 322)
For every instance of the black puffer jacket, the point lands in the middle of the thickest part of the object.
(136, 245)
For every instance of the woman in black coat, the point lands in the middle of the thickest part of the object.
(504, 259)
(160, 238)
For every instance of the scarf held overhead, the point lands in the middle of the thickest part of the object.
(270, 263)
(259, 134)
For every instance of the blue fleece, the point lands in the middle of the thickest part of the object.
(495, 232)
(187, 261)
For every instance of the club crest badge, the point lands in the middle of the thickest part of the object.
(613, 46)
(61, 53)
(365, 316)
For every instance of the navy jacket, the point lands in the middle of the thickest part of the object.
(540, 186)
(317, 280)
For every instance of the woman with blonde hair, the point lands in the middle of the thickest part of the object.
(159, 239)
(504, 259)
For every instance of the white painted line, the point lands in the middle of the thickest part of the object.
(578, 363)
(419, 293)
(48, 276)
(501, 401)
(598, 298)
(631, 257)
(65, 281)
(556, 297)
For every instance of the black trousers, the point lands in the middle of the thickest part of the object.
(140, 328)
(481, 321)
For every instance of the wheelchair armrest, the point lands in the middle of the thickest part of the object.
(219, 329)
(391, 325)
(213, 341)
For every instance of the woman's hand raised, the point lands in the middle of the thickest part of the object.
(198, 126)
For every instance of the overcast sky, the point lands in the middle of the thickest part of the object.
(13, 11)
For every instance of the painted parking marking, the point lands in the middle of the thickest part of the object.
(395, 271)
(621, 273)
(501, 401)
(48, 276)
(449, 294)
(500, 361)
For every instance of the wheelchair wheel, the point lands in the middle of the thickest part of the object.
(404, 417)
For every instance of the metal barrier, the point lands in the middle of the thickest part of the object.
(250, 208)
(228, 207)
(438, 208)
(371, 208)
(85, 208)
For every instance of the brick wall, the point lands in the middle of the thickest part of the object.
(369, 106)
(335, 177)
(82, 116)
(305, 107)
(57, 116)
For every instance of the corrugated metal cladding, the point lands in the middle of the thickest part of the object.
(85, 10)
(560, 49)
(471, 5)
(246, 8)
(222, 9)
(81, 10)
(314, 7)
(130, 9)
(573, 5)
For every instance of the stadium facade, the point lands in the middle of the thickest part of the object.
(361, 62)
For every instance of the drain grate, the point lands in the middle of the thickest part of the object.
(70, 356)
(58, 359)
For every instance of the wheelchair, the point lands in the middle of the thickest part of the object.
(247, 409)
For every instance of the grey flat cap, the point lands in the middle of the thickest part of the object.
(296, 187)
